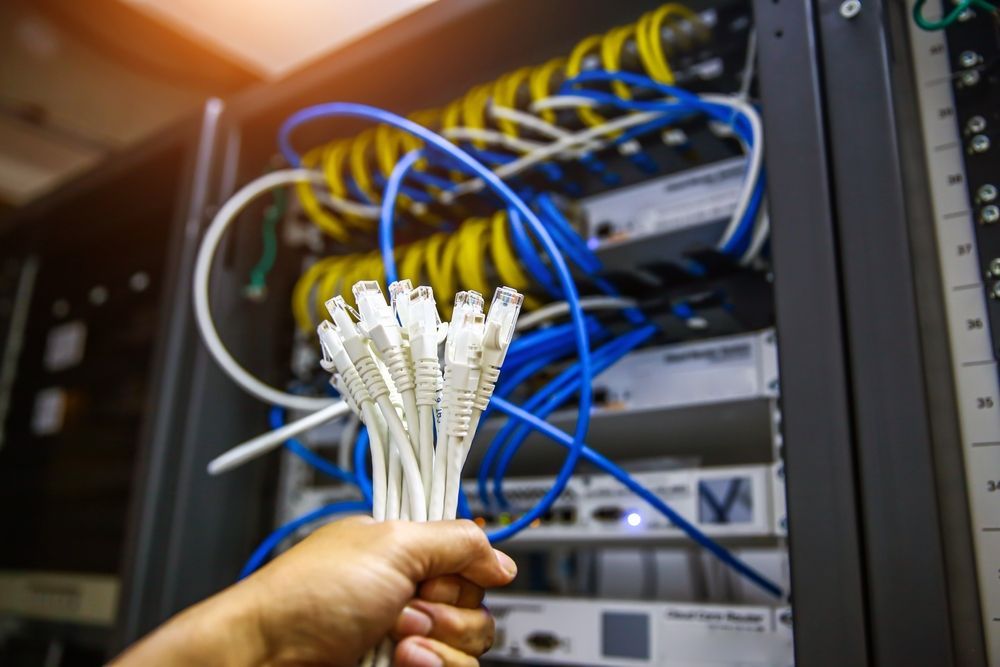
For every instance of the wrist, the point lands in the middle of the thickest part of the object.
(225, 629)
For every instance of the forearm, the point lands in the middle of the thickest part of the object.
(222, 630)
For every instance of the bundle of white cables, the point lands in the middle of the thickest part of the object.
(386, 363)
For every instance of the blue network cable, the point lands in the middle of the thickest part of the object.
(523, 213)
(574, 246)
(526, 247)
(685, 101)
(555, 394)
(558, 337)
(276, 417)
(689, 103)
(387, 214)
(504, 389)
(271, 542)
(604, 464)
(529, 254)
(417, 195)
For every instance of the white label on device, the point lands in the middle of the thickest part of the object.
(672, 203)
(65, 346)
(49, 412)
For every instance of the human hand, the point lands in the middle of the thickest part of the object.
(338, 592)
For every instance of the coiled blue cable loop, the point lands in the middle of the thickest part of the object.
(435, 142)
(591, 456)
(553, 395)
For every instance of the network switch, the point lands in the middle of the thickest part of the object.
(693, 198)
(740, 501)
(713, 399)
(544, 630)
(731, 368)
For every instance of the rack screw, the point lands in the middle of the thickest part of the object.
(986, 193)
(970, 78)
(995, 291)
(995, 267)
(976, 124)
(968, 59)
(850, 8)
(979, 144)
(989, 214)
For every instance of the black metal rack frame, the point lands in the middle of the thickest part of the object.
(880, 563)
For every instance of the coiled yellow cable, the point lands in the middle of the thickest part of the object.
(319, 215)
(575, 65)
(463, 258)
(540, 84)
(505, 95)
(383, 146)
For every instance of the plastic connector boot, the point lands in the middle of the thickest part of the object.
(358, 349)
(463, 361)
(499, 331)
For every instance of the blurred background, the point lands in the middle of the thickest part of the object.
(81, 81)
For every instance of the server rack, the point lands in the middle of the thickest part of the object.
(865, 381)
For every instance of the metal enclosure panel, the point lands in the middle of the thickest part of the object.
(956, 531)
(189, 532)
(827, 576)
(909, 612)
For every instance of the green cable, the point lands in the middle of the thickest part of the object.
(257, 286)
(951, 17)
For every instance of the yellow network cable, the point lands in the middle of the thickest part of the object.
(540, 84)
(575, 65)
(319, 215)
(505, 95)
(611, 54)
(466, 258)
(382, 147)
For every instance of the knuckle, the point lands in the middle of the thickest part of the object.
(460, 624)
(488, 634)
(392, 531)
(472, 536)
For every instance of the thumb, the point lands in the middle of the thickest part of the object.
(459, 547)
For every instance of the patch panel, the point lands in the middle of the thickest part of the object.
(545, 630)
(740, 501)
(697, 200)
(714, 399)
(948, 92)
(973, 56)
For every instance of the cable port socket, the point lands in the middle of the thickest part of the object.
(543, 642)
(608, 513)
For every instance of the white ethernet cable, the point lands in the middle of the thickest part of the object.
(398, 501)
(385, 493)
(462, 370)
(360, 354)
(493, 137)
(379, 323)
(738, 105)
(501, 321)
(203, 314)
(756, 161)
(760, 233)
(539, 125)
(265, 442)
(559, 308)
(354, 387)
(417, 312)
(554, 148)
